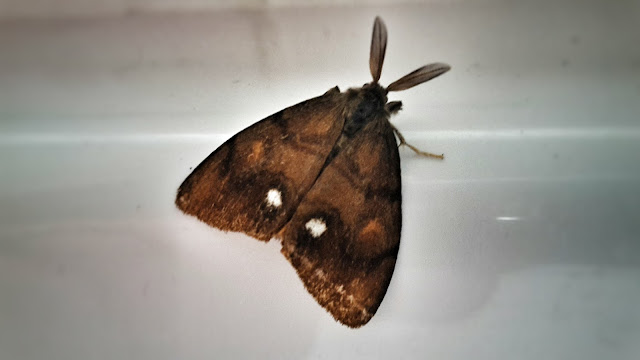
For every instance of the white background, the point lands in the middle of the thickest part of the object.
(524, 243)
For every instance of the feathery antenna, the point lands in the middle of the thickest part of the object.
(378, 48)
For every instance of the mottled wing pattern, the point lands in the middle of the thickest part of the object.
(344, 237)
(254, 181)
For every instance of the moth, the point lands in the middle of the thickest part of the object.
(323, 177)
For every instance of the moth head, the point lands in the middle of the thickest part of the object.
(376, 59)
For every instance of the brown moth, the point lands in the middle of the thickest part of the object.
(323, 177)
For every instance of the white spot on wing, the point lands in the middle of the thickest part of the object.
(274, 198)
(316, 227)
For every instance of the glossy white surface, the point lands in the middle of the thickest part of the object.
(523, 244)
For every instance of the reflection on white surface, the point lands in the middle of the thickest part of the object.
(521, 244)
(508, 218)
(131, 138)
(538, 134)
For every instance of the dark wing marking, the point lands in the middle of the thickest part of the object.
(357, 199)
(284, 152)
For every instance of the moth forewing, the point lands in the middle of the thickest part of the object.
(235, 187)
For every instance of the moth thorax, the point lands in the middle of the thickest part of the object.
(368, 105)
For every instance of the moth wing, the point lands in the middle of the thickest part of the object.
(254, 181)
(344, 237)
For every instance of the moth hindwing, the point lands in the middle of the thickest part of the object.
(323, 176)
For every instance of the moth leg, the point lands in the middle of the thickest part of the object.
(393, 107)
(415, 149)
